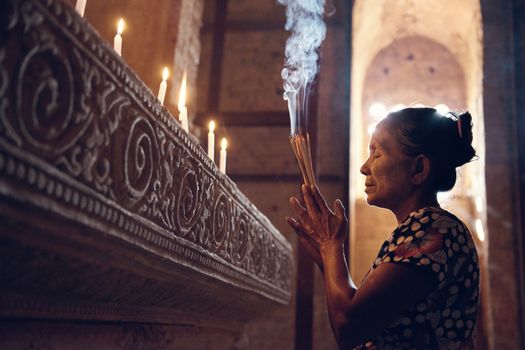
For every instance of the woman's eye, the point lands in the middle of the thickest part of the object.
(376, 155)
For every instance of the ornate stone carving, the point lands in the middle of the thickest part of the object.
(108, 173)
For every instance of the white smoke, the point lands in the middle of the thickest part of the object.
(304, 18)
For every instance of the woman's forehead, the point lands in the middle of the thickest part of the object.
(382, 138)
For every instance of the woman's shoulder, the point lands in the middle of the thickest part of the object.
(432, 237)
(431, 219)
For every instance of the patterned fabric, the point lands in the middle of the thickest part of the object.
(438, 241)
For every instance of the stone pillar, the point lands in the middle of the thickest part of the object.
(500, 96)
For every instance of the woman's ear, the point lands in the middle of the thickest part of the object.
(421, 169)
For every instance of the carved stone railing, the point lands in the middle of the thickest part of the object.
(108, 210)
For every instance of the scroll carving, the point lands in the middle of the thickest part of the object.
(193, 192)
(140, 159)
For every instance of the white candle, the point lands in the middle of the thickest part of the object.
(222, 163)
(163, 85)
(183, 118)
(183, 111)
(117, 42)
(80, 7)
(211, 141)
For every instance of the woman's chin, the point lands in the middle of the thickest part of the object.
(370, 199)
(374, 200)
(369, 191)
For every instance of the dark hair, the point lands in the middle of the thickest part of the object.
(445, 140)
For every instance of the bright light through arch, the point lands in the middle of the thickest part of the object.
(479, 204)
(480, 230)
(371, 128)
(442, 108)
(377, 110)
(397, 107)
(444, 197)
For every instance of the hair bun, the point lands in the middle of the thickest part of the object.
(465, 151)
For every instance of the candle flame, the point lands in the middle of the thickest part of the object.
(212, 125)
(224, 143)
(165, 73)
(120, 26)
(182, 93)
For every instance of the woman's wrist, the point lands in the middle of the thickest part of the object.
(331, 248)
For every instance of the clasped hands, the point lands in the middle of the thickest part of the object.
(320, 230)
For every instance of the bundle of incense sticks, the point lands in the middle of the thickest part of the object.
(301, 147)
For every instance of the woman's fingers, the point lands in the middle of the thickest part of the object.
(309, 244)
(312, 251)
(304, 219)
(299, 210)
(299, 229)
(311, 205)
(302, 230)
(320, 201)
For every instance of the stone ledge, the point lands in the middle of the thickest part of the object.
(109, 210)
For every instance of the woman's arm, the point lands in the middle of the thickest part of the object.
(307, 242)
(360, 314)
(357, 315)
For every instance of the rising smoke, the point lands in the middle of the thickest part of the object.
(304, 19)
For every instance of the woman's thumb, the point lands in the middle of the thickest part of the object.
(339, 210)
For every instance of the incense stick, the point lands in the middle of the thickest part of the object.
(302, 151)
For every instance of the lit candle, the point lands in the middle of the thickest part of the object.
(80, 7)
(222, 163)
(163, 85)
(211, 141)
(183, 111)
(117, 42)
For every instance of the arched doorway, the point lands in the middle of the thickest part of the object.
(403, 55)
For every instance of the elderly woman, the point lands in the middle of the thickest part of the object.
(422, 290)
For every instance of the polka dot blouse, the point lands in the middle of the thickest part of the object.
(438, 241)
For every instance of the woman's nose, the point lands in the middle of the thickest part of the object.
(365, 169)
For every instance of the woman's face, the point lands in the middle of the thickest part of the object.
(387, 170)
